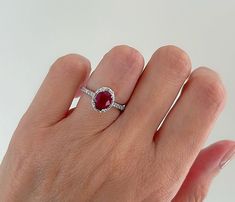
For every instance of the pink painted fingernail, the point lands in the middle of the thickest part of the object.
(227, 157)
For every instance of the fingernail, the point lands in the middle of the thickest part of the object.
(227, 158)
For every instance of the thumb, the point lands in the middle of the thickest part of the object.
(206, 166)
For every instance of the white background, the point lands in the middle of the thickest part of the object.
(34, 33)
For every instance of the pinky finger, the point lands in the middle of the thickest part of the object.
(207, 165)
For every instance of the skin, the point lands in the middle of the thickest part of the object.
(57, 154)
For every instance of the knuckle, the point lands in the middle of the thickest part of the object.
(210, 87)
(214, 92)
(126, 56)
(175, 59)
(71, 64)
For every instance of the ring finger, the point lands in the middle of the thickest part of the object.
(119, 70)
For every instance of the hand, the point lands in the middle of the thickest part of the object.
(57, 154)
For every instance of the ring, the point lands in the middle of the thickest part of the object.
(103, 99)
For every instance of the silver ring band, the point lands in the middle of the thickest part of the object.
(111, 97)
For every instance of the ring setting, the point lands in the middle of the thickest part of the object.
(103, 99)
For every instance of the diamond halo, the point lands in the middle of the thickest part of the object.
(100, 90)
(103, 102)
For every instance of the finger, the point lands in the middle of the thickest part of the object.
(55, 95)
(186, 128)
(157, 88)
(207, 165)
(119, 70)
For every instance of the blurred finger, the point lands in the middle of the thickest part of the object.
(208, 164)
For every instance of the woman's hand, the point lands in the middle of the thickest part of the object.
(57, 154)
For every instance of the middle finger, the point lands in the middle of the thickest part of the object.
(156, 90)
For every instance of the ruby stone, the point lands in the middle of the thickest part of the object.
(103, 100)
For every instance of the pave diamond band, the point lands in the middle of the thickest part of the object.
(103, 99)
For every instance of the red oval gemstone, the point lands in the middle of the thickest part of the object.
(103, 100)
